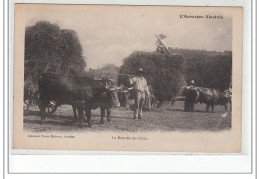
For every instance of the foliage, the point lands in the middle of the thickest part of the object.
(197, 53)
(207, 68)
(108, 71)
(211, 72)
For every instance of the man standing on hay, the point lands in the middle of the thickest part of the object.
(140, 88)
(161, 45)
(192, 83)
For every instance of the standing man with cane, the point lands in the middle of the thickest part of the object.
(140, 88)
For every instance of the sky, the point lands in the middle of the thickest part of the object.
(108, 34)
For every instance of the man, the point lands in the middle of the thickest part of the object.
(140, 88)
(161, 45)
(188, 107)
(228, 94)
(192, 83)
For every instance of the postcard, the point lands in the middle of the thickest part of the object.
(127, 78)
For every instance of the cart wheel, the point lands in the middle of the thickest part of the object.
(52, 107)
(26, 107)
(155, 102)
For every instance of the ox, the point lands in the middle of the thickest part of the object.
(78, 92)
(209, 96)
(103, 99)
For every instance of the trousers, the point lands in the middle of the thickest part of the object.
(139, 103)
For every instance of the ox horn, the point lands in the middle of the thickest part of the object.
(112, 88)
(118, 88)
(106, 86)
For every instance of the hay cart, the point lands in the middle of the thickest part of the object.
(33, 100)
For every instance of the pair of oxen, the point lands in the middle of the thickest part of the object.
(83, 93)
(208, 96)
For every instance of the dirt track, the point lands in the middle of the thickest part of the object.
(169, 118)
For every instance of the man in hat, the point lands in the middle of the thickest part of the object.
(140, 88)
(161, 45)
(186, 91)
(192, 83)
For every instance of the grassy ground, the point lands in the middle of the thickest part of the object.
(168, 118)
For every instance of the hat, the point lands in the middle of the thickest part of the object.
(140, 70)
(162, 36)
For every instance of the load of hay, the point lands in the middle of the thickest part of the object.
(163, 72)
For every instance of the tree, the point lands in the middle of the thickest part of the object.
(107, 71)
(51, 49)
(209, 69)
(210, 72)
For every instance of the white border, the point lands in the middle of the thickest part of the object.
(145, 163)
(143, 2)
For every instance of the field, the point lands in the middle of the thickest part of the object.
(168, 118)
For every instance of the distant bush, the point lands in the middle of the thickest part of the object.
(208, 68)
(211, 72)
(161, 71)
(108, 71)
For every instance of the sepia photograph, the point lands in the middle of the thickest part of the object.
(127, 78)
